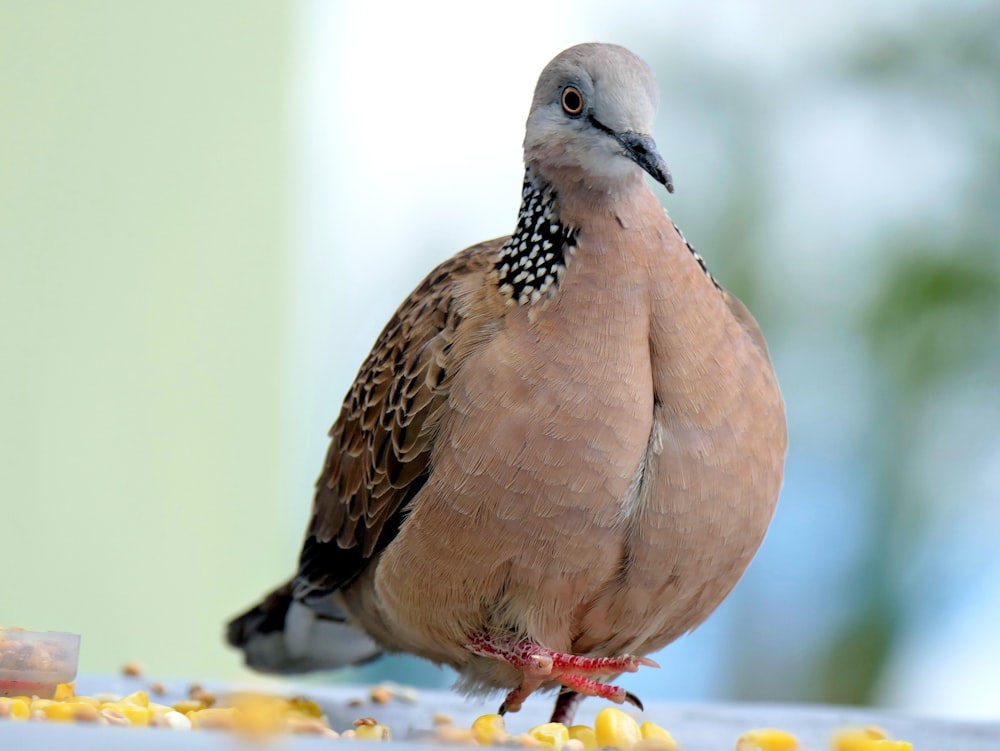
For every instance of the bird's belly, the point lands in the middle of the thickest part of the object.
(705, 502)
(520, 526)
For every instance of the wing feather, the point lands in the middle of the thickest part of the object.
(380, 445)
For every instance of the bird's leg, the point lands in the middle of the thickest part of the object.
(589, 687)
(566, 705)
(540, 665)
(565, 663)
(513, 701)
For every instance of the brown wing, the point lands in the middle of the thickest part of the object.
(380, 445)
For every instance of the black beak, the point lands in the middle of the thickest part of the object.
(642, 150)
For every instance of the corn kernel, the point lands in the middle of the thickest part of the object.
(304, 706)
(84, 711)
(214, 718)
(136, 699)
(172, 720)
(64, 691)
(573, 745)
(767, 739)
(136, 715)
(455, 736)
(59, 712)
(585, 734)
(19, 709)
(656, 737)
(550, 735)
(113, 717)
(489, 729)
(186, 706)
(205, 697)
(615, 728)
(376, 732)
(259, 714)
(866, 739)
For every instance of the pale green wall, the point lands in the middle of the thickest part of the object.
(143, 241)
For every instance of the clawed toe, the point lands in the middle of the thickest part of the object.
(576, 673)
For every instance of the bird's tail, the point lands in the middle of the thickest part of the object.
(283, 635)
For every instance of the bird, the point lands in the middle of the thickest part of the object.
(565, 446)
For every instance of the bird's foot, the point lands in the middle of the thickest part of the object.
(540, 665)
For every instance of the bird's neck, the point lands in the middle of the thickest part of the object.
(533, 259)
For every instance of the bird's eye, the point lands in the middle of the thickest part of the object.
(572, 101)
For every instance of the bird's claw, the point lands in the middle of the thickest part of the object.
(634, 701)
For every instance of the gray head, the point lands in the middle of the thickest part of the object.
(592, 116)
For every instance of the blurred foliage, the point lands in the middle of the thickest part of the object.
(933, 323)
(933, 317)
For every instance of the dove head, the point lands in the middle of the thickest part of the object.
(591, 119)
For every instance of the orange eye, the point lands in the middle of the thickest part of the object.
(572, 101)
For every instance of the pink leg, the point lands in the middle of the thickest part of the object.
(539, 665)
(588, 687)
(598, 665)
(537, 660)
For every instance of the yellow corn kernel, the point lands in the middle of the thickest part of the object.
(867, 739)
(654, 736)
(137, 699)
(616, 729)
(135, 714)
(372, 733)
(304, 706)
(260, 714)
(58, 712)
(20, 709)
(585, 734)
(489, 729)
(550, 735)
(213, 718)
(186, 706)
(40, 703)
(64, 691)
(767, 739)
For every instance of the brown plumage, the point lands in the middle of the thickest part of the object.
(565, 445)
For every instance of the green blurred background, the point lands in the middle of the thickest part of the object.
(208, 210)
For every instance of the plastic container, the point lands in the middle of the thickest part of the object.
(33, 663)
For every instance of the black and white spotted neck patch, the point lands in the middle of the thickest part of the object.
(532, 261)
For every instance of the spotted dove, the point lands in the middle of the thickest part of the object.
(565, 446)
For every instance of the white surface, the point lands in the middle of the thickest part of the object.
(696, 727)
